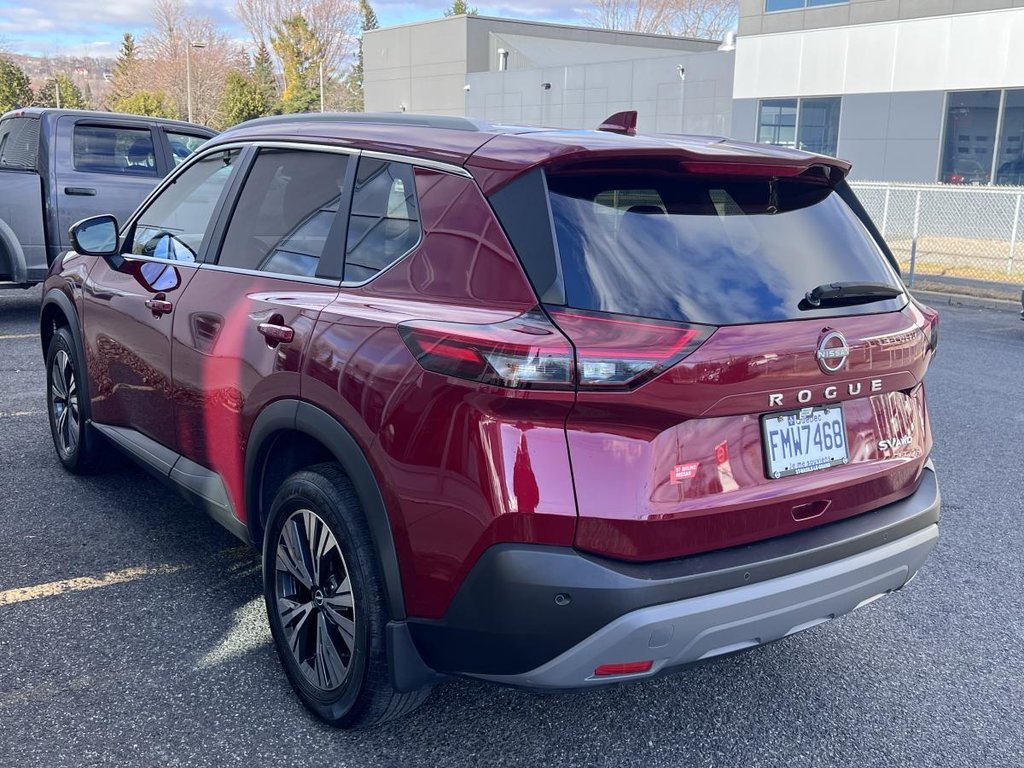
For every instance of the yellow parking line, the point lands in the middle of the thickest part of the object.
(24, 594)
(19, 336)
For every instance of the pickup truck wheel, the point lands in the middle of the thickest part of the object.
(325, 605)
(73, 437)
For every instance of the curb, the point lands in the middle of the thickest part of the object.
(936, 299)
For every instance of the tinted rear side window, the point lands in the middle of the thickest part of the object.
(715, 251)
(19, 143)
(385, 221)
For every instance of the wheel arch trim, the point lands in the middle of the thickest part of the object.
(307, 419)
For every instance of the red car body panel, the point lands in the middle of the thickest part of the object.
(463, 465)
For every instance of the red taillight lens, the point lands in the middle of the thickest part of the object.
(629, 668)
(529, 352)
(618, 352)
(524, 352)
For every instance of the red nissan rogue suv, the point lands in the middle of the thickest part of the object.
(549, 408)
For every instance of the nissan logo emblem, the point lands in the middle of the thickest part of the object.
(832, 352)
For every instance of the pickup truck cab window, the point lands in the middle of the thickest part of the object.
(110, 149)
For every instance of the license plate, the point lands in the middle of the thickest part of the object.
(804, 440)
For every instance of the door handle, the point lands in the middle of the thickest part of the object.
(159, 306)
(275, 333)
(83, 191)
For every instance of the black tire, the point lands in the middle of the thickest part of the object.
(361, 695)
(76, 442)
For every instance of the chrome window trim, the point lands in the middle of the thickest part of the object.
(422, 162)
(277, 275)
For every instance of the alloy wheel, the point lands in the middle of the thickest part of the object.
(314, 600)
(64, 402)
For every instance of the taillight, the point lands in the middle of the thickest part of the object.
(619, 352)
(588, 350)
(524, 352)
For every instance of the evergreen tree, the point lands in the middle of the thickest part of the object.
(148, 104)
(354, 79)
(243, 99)
(460, 8)
(15, 91)
(60, 91)
(263, 78)
(301, 55)
(126, 71)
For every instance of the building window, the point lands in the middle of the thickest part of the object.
(792, 5)
(808, 124)
(984, 138)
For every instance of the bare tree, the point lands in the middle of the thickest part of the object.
(335, 24)
(169, 51)
(707, 19)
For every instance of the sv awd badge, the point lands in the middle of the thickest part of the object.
(894, 443)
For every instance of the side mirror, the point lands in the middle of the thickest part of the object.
(95, 236)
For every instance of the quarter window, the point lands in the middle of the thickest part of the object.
(385, 222)
(286, 215)
(176, 222)
(107, 149)
(808, 124)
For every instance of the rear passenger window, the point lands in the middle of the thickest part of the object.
(19, 142)
(183, 144)
(176, 222)
(286, 214)
(108, 149)
(385, 221)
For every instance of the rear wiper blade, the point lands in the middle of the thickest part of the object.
(841, 292)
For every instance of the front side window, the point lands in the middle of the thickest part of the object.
(385, 221)
(108, 149)
(183, 144)
(177, 221)
(286, 214)
(808, 124)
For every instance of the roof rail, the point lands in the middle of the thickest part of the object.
(373, 118)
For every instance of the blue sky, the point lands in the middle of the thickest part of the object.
(88, 27)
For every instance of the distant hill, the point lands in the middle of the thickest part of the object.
(90, 73)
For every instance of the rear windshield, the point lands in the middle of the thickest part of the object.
(19, 143)
(714, 251)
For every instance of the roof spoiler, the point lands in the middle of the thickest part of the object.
(623, 123)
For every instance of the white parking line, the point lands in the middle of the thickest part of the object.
(19, 336)
(24, 594)
(14, 414)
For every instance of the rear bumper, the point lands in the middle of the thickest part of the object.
(547, 617)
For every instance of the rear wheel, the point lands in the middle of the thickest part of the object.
(73, 437)
(324, 599)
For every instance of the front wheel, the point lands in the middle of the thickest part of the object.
(73, 437)
(324, 597)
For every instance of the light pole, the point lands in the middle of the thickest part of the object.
(188, 72)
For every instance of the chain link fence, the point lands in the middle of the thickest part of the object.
(950, 231)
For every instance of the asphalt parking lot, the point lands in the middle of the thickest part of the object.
(154, 649)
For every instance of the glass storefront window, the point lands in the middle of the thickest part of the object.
(1010, 157)
(776, 123)
(808, 124)
(971, 120)
(789, 5)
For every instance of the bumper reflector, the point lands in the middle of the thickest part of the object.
(629, 668)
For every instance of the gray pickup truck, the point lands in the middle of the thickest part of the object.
(59, 166)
